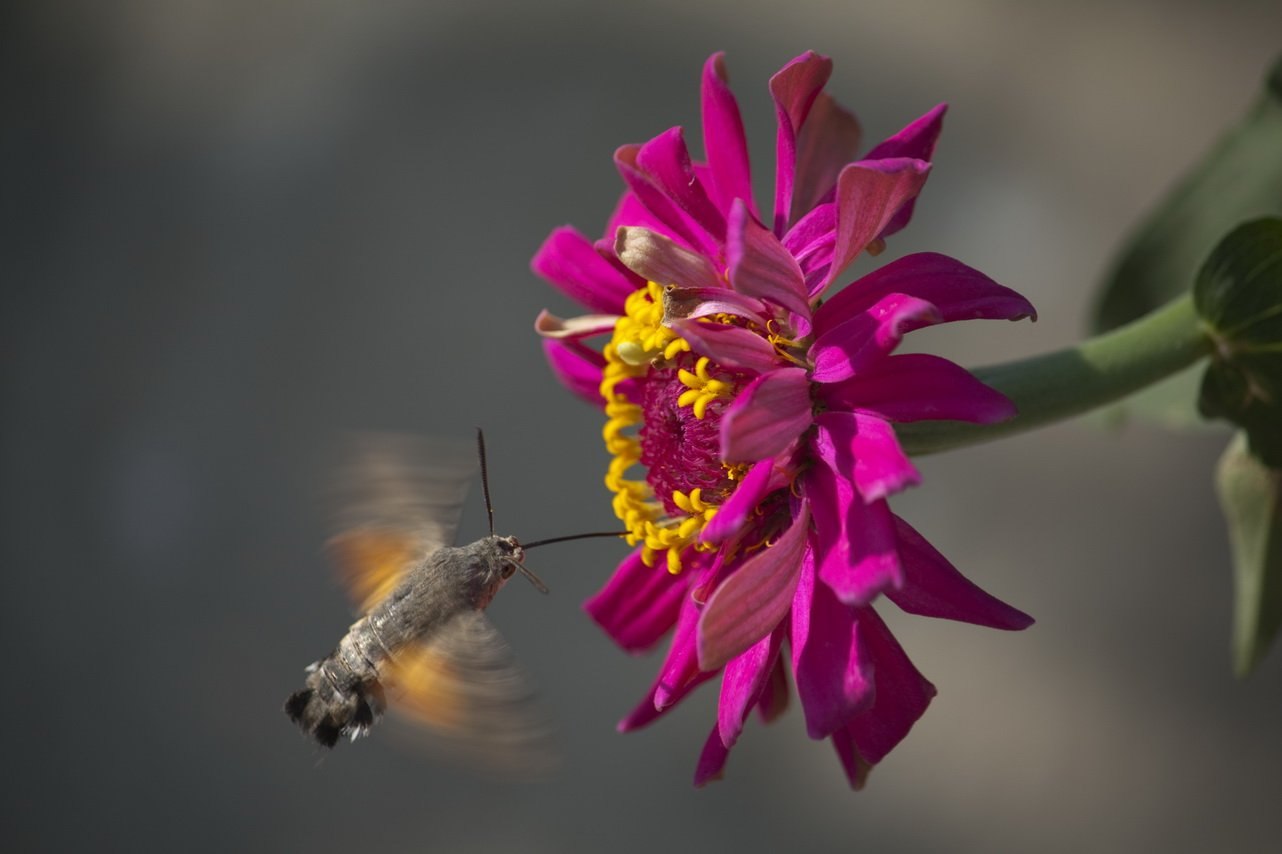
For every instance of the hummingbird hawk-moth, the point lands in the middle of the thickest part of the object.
(423, 643)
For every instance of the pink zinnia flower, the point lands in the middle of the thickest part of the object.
(759, 415)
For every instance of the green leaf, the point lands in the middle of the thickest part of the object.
(1238, 294)
(1240, 179)
(1251, 497)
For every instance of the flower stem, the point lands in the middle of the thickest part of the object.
(1060, 385)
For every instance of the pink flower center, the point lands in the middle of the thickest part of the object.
(680, 452)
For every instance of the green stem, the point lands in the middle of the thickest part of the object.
(1059, 385)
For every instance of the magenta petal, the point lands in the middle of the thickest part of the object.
(629, 212)
(880, 466)
(843, 351)
(918, 387)
(855, 548)
(666, 160)
(934, 588)
(856, 767)
(712, 759)
(958, 291)
(579, 368)
(834, 676)
(750, 603)
(794, 89)
(771, 412)
(828, 141)
(727, 522)
(728, 346)
(869, 194)
(676, 223)
(745, 677)
(638, 605)
(569, 261)
(678, 676)
(759, 266)
(901, 697)
(656, 258)
(723, 137)
(916, 140)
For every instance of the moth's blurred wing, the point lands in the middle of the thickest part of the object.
(464, 684)
(396, 500)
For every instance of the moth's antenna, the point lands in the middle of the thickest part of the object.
(485, 477)
(574, 537)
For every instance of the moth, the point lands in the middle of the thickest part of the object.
(423, 643)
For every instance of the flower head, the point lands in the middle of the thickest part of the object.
(749, 412)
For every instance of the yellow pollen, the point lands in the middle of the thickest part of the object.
(640, 339)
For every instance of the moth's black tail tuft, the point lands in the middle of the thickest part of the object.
(327, 713)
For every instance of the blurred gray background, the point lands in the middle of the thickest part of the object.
(232, 229)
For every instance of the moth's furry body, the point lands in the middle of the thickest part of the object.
(345, 692)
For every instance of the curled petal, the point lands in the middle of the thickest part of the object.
(794, 89)
(958, 291)
(750, 603)
(869, 194)
(759, 266)
(934, 588)
(854, 541)
(666, 160)
(572, 264)
(638, 605)
(760, 481)
(833, 672)
(548, 325)
(577, 367)
(729, 346)
(880, 466)
(658, 259)
(675, 222)
(712, 759)
(767, 416)
(918, 387)
(682, 303)
(901, 696)
(723, 137)
(843, 351)
(745, 677)
(856, 767)
(827, 142)
(917, 140)
(678, 676)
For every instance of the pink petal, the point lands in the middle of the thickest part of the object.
(843, 351)
(856, 767)
(958, 291)
(760, 481)
(772, 411)
(934, 588)
(682, 303)
(854, 542)
(658, 259)
(811, 242)
(678, 676)
(576, 269)
(868, 445)
(759, 266)
(774, 697)
(751, 602)
(834, 676)
(745, 677)
(729, 346)
(902, 693)
(828, 141)
(723, 138)
(639, 604)
(917, 140)
(578, 368)
(869, 194)
(917, 387)
(712, 760)
(676, 223)
(630, 212)
(794, 89)
(548, 325)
